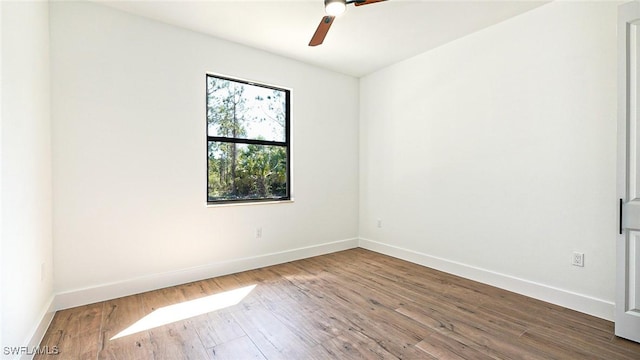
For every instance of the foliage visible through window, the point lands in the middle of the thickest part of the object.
(247, 141)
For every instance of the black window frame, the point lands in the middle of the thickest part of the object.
(286, 144)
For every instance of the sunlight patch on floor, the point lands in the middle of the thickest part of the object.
(187, 309)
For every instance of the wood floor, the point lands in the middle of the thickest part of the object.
(354, 304)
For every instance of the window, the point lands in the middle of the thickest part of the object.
(248, 152)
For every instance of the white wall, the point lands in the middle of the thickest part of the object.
(129, 152)
(1, 219)
(26, 174)
(494, 155)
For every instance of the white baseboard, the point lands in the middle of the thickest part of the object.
(78, 297)
(37, 333)
(93, 294)
(579, 302)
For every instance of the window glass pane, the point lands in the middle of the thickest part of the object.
(245, 111)
(245, 172)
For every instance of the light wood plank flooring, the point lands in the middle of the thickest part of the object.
(353, 304)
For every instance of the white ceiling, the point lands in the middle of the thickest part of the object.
(362, 40)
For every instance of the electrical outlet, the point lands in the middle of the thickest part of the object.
(379, 223)
(43, 271)
(259, 233)
(578, 259)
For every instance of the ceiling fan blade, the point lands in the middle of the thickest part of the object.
(321, 31)
(366, 2)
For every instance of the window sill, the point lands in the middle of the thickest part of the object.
(251, 203)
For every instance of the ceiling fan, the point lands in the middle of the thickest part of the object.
(333, 9)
